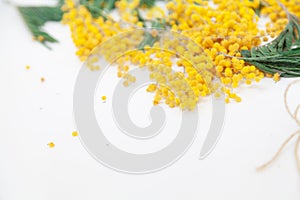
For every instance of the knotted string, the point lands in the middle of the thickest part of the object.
(295, 134)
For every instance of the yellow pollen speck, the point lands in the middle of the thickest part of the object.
(51, 145)
(74, 133)
(154, 33)
(238, 99)
(276, 77)
(41, 38)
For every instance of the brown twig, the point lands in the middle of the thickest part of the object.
(297, 133)
(262, 167)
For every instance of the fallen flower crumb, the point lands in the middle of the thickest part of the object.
(51, 145)
(41, 38)
(276, 77)
(74, 133)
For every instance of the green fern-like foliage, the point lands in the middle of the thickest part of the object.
(148, 3)
(36, 17)
(281, 55)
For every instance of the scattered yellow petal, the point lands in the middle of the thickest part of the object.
(41, 38)
(265, 39)
(227, 100)
(42, 79)
(269, 75)
(27, 67)
(74, 133)
(238, 99)
(103, 98)
(51, 145)
(154, 33)
(276, 77)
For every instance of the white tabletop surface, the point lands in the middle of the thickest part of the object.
(33, 114)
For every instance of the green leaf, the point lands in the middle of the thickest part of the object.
(282, 55)
(99, 8)
(36, 17)
(148, 3)
(260, 7)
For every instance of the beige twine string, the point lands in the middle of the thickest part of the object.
(296, 134)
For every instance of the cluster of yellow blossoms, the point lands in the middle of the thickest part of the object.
(179, 68)
(183, 71)
(87, 32)
(278, 15)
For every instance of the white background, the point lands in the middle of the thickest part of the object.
(33, 114)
